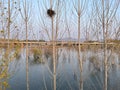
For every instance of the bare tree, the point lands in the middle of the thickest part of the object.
(8, 16)
(3, 15)
(25, 11)
(9, 21)
(80, 10)
(53, 42)
(105, 11)
(115, 26)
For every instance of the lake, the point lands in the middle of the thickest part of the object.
(65, 74)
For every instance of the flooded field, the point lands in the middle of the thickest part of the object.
(64, 75)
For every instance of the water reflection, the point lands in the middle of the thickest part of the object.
(8, 59)
(41, 75)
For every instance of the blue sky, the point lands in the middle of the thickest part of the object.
(67, 13)
(68, 18)
(66, 7)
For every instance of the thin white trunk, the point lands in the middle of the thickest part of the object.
(8, 22)
(53, 44)
(26, 28)
(79, 47)
(105, 47)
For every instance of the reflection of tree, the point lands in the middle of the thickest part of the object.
(4, 73)
(4, 62)
(48, 58)
(94, 60)
(94, 82)
(7, 66)
(37, 55)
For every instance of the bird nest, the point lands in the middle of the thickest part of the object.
(50, 12)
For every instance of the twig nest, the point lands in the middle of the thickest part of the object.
(50, 12)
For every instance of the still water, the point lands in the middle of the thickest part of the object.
(67, 69)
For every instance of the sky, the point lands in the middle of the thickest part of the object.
(67, 17)
(40, 22)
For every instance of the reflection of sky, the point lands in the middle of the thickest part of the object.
(67, 71)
